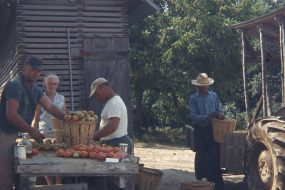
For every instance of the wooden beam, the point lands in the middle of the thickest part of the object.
(269, 29)
(245, 92)
(266, 37)
(281, 21)
(266, 109)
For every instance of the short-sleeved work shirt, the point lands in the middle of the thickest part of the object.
(115, 107)
(27, 97)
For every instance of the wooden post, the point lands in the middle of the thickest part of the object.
(245, 91)
(282, 54)
(263, 73)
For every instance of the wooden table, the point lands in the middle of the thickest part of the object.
(48, 164)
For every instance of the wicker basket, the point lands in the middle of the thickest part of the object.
(148, 178)
(73, 132)
(222, 127)
(198, 185)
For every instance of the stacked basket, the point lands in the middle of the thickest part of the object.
(77, 128)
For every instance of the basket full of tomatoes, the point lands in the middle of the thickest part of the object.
(78, 127)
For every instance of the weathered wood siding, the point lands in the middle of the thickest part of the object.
(42, 31)
(98, 45)
(9, 53)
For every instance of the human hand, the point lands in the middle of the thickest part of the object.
(213, 115)
(96, 137)
(35, 134)
(67, 117)
(220, 116)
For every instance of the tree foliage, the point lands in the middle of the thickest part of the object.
(187, 37)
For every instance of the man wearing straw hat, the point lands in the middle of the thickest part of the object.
(204, 105)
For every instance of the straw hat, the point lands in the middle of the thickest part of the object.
(203, 80)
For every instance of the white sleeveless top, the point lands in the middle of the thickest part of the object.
(45, 118)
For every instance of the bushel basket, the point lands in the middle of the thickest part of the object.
(148, 178)
(73, 132)
(221, 128)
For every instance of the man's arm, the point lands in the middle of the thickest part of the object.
(195, 117)
(35, 123)
(12, 115)
(46, 103)
(111, 126)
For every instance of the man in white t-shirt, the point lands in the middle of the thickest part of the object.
(114, 117)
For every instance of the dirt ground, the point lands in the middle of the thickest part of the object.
(177, 165)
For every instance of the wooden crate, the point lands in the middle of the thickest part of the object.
(232, 152)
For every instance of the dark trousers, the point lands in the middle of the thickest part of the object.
(207, 158)
(124, 139)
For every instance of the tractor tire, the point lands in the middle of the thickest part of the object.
(265, 155)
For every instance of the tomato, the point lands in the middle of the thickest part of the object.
(110, 154)
(101, 156)
(106, 149)
(116, 149)
(60, 152)
(35, 151)
(68, 154)
(91, 113)
(75, 118)
(92, 155)
(83, 154)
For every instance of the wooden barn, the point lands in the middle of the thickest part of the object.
(79, 40)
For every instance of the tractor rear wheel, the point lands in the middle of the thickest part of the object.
(265, 155)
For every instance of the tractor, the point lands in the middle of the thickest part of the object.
(264, 148)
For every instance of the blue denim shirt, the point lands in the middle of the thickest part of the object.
(201, 106)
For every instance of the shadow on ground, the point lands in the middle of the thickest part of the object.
(172, 179)
(234, 182)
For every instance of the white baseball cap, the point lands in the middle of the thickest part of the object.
(95, 84)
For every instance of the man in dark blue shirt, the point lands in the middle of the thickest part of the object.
(17, 107)
(204, 105)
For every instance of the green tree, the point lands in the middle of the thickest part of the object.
(185, 38)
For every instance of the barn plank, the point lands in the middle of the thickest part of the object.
(73, 27)
(48, 40)
(46, 34)
(70, 10)
(73, 34)
(41, 26)
(66, 2)
(66, 20)
(47, 46)
(71, 14)
(48, 7)
(57, 13)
